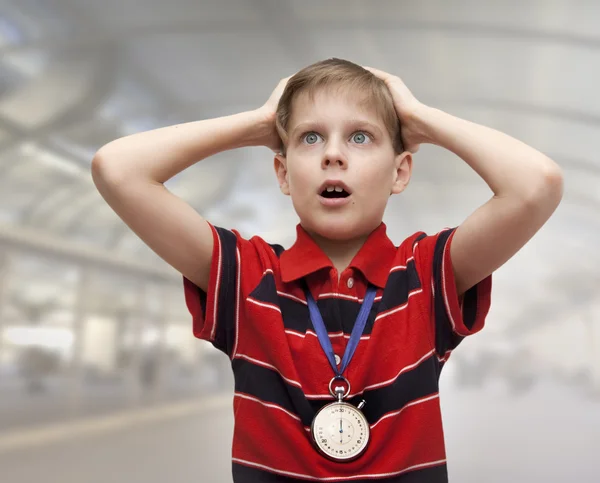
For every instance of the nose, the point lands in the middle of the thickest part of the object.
(334, 155)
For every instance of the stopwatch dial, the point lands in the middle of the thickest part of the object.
(340, 431)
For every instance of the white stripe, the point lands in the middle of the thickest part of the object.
(269, 405)
(217, 288)
(399, 267)
(323, 396)
(344, 296)
(341, 478)
(310, 332)
(412, 403)
(337, 295)
(237, 302)
(402, 371)
(446, 356)
(397, 309)
(338, 334)
(269, 366)
(290, 296)
(262, 304)
(444, 289)
(293, 332)
(327, 295)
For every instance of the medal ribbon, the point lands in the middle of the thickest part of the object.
(357, 330)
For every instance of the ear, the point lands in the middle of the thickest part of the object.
(403, 166)
(280, 165)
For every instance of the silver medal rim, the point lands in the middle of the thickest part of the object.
(341, 458)
(339, 378)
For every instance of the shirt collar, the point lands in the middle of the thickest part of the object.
(374, 259)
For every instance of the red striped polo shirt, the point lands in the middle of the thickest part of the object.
(255, 311)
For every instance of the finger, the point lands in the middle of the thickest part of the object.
(413, 148)
(379, 73)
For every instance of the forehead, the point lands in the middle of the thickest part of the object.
(333, 105)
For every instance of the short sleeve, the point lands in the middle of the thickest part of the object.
(452, 318)
(215, 312)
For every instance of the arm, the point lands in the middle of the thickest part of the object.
(129, 173)
(527, 185)
(527, 188)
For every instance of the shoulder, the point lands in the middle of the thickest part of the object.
(424, 242)
(252, 253)
(426, 251)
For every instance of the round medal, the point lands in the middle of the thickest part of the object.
(339, 430)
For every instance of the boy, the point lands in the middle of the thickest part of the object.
(338, 342)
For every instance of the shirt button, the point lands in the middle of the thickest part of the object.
(337, 359)
(350, 282)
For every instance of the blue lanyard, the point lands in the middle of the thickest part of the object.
(357, 330)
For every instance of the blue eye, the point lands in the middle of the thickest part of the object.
(311, 138)
(361, 138)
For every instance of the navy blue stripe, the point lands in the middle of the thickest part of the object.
(470, 307)
(295, 315)
(338, 313)
(226, 301)
(399, 285)
(266, 290)
(202, 297)
(445, 338)
(268, 385)
(246, 474)
(417, 383)
(419, 238)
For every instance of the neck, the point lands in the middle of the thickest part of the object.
(340, 252)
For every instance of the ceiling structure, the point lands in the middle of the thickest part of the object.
(76, 74)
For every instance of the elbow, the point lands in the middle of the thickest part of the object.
(547, 191)
(109, 164)
(104, 169)
(99, 168)
(553, 183)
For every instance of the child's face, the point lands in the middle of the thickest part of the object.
(334, 140)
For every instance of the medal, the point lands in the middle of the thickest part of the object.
(340, 430)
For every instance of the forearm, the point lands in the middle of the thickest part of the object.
(509, 167)
(160, 154)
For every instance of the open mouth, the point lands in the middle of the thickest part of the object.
(332, 189)
(337, 192)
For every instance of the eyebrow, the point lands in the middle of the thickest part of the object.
(353, 122)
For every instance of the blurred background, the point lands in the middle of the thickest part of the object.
(100, 376)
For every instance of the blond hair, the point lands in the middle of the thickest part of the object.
(340, 74)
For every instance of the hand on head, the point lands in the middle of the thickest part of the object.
(268, 110)
(407, 107)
